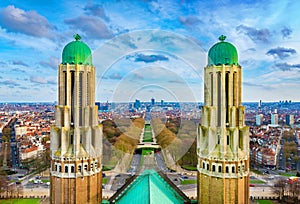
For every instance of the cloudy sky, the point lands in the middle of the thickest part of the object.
(144, 49)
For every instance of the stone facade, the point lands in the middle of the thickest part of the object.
(76, 138)
(223, 139)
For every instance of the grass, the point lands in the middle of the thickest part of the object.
(104, 180)
(147, 151)
(189, 168)
(147, 128)
(257, 182)
(265, 201)
(256, 171)
(186, 182)
(287, 174)
(106, 168)
(147, 137)
(21, 201)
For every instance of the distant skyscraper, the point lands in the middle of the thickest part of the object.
(152, 101)
(259, 119)
(76, 137)
(289, 119)
(274, 119)
(137, 104)
(223, 138)
(259, 104)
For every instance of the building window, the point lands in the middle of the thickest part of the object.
(212, 89)
(227, 169)
(59, 169)
(203, 165)
(55, 167)
(227, 139)
(213, 168)
(220, 168)
(79, 168)
(207, 167)
(66, 169)
(233, 169)
(85, 167)
(219, 98)
(72, 169)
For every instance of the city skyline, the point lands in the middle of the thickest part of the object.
(265, 34)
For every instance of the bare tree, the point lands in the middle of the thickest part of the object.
(280, 187)
(294, 190)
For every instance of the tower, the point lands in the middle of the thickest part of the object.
(76, 137)
(222, 141)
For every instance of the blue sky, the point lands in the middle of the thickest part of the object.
(144, 49)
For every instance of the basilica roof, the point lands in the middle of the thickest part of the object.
(222, 53)
(77, 52)
(149, 188)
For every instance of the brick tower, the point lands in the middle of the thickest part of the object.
(223, 138)
(76, 137)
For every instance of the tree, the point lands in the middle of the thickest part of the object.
(280, 187)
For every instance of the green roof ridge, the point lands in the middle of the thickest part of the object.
(222, 53)
(77, 52)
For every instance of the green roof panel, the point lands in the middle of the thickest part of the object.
(149, 188)
(222, 53)
(77, 52)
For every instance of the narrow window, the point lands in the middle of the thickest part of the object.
(85, 167)
(87, 89)
(212, 88)
(213, 168)
(220, 168)
(219, 99)
(79, 168)
(66, 169)
(233, 169)
(72, 97)
(66, 87)
(72, 169)
(228, 140)
(55, 167)
(80, 98)
(207, 167)
(227, 169)
(227, 97)
(203, 165)
(59, 169)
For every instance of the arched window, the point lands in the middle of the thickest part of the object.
(72, 169)
(66, 169)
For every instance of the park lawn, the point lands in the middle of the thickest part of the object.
(104, 180)
(189, 168)
(147, 151)
(147, 137)
(21, 201)
(287, 174)
(265, 201)
(147, 128)
(186, 182)
(257, 182)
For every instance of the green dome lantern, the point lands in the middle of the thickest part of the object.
(77, 52)
(222, 53)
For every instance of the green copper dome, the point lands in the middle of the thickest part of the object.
(222, 53)
(77, 52)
